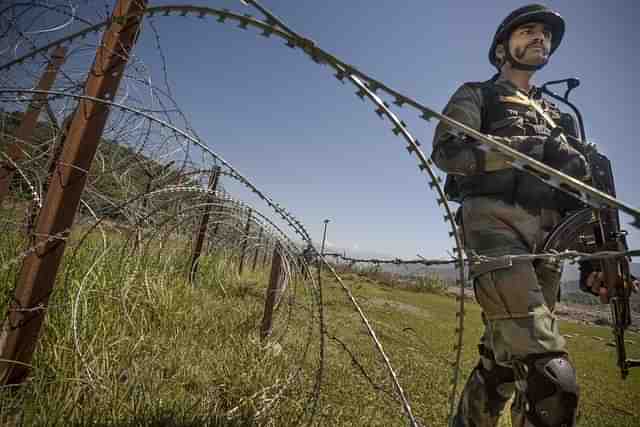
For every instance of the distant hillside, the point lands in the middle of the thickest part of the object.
(448, 272)
(570, 288)
(108, 184)
(570, 272)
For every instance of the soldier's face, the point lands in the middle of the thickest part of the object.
(531, 43)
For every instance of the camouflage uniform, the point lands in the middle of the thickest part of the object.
(505, 211)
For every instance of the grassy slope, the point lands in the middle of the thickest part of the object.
(105, 177)
(155, 351)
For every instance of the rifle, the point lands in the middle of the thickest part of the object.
(595, 230)
(617, 275)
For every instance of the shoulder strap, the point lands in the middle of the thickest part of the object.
(541, 111)
(489, 97)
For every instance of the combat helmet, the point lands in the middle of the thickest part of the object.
(523, 15)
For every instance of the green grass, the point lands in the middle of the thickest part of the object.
(147, 348)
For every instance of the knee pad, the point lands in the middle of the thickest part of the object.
(499, 381)
(551, 391)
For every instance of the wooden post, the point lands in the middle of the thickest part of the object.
(143, 207)
(272, 293)
(245, 242)
(204, 221)
(29, 121)
(36, 278)
(144, 201)
(255, 257)
(266, 254)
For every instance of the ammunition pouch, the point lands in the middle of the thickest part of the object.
(509, 185)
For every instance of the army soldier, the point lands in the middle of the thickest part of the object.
(506, 211)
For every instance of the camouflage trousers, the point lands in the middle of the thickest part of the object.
(517, 299)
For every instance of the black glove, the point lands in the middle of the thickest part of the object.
(586, 268)
(532, 146)
(560, 155)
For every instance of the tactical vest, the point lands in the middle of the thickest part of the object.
(504, 114)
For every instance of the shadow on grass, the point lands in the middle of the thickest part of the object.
(168, 420)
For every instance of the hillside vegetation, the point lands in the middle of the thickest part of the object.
(128, 342)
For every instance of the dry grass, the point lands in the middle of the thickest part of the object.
(129, 342)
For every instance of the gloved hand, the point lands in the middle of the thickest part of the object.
(551, 150)
(560, 155)
(532, 146)
(586, 283)
(592, 282)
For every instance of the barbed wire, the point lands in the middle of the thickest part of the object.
(569, 255)
(394, 261)
(415, 143)
(134, 123)
(130, 206)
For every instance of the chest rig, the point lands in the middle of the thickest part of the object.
(506, 114)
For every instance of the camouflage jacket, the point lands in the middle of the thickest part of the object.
(494, 108)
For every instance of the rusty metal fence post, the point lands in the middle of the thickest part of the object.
(56, 152)
(255, 256)
(37, 275)
(245, 242)
(29, 121)
(204, 221)
(272, 293)
(219, 215)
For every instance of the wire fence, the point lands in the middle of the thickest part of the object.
(151, 185)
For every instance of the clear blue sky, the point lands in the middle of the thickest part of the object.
(291, 127)
(309, 142)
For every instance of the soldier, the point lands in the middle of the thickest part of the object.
(506, 211)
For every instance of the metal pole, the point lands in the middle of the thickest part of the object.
(324, 239)
(272, 293)
(204, 222)
(244, 243)
(218, 218)
(255, 257)
(37, 274)
(24, 132)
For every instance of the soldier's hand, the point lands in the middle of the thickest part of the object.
(560, 155)
(595, 282)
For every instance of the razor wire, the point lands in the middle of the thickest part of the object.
(382, 109)
(552, 177)
(291, 250)
(294, 223)
(136, 215)
(368, 90)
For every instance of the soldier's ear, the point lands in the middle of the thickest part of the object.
(500, 54)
